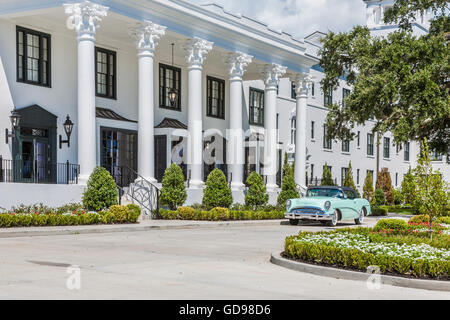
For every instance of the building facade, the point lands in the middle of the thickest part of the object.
(147, 83)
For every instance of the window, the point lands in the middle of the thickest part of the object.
(346, 146)
(396, 179)
(312, 172)
(215, 98)
(33, 57)
(256, 107)
(344, 172)
(169, 79)
(357, 176)
(293, 129)
(105, 70)
(370, 144)
(371, 174)
(312, 89)
(398, 148)
(359, 138)
(345, 94)
(406, 154)
(327, 144)
(293, 94)
(386, 148)
(312, 129)
(278, 127)
(435, 156)
(328, 98)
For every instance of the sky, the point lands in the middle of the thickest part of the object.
(299, 17)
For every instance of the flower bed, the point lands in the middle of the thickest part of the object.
(405, 249)
(219, 214)
(52, 217)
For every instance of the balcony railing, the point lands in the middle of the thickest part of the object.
(20, 171)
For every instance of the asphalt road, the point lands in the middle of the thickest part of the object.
(216, 263)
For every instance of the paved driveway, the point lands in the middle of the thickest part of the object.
(215, 263)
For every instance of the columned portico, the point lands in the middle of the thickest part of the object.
(147, 35)
(272, 74)
(237, 63)
(84, 18)
(196, 51)
(302, 82)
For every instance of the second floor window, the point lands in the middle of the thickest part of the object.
(312, 90)
(327, 143)
(386, 148)
(344, 172)
(406, 155)
(293, 94)
(256, 107)
(216, 98)
(370, 144)
(359, 138)
(293, 130)
(345, 94)
(346, 146)
(328, 98)
(312, 129)
(33, 57)
(105, 70)
(169, 79)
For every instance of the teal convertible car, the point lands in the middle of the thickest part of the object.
(329, 205)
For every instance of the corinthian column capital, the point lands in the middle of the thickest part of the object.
(147, 35)
(84, 18)
(272, 74)
(302, 82)
(237, 63)
(196, 50)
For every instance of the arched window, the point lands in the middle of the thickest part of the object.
(293, 129)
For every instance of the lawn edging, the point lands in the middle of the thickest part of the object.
(435, 285)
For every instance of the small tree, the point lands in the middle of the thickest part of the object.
(218, 192)
(384, 182)
(101, 192)
(433, 193)
(409, 187)
(380, 197)
(348, 181)
(327, 179)
(257, 194)
(368, 187)
(173, 193)
(288, 186)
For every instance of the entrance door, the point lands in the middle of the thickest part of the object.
(35, 161)
(160, 157)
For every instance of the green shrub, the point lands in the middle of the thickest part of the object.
(349, 182)
(257, 194)
(379, 197)
(220, 214)
(173, 192)
(368, 187)
(288, 185)
(409, 187)
(445, 220)
(120, 213)
(134, 212)
(398, 197)
(186, 213)
(327, 178)
(101, 191)
(420, 218)
(379, 211)
(217, 192)
(392, 224)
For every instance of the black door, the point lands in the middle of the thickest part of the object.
(160, 157)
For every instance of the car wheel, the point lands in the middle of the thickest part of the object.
(293, 222)
(334, 221)
(360, 219)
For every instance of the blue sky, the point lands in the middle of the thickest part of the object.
(300, 17)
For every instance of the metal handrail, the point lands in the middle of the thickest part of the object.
(142, 191)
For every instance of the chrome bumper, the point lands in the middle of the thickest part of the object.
(306, 216)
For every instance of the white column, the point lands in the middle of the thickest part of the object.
(84, 18)
(272, 74)
(237, 63)
(196, 51)
(302, 82)
(147, 35)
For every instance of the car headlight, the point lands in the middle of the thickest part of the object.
(288, 204)
(327, 205)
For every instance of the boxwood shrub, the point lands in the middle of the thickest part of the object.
(219, 214)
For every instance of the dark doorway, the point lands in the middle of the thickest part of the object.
(160, 157)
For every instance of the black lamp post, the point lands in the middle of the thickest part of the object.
(173, 94)
(68, 127)
(15, 122)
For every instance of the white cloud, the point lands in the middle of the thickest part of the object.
(300, 17)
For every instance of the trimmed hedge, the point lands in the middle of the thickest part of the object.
(115, 215)
(219, 214)
(379, 211)
(356, 259)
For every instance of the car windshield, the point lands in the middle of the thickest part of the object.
(324, 192)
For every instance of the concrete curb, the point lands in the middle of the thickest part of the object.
(434, 285)
(130, 228)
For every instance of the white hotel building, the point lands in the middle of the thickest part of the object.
(112, 67)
